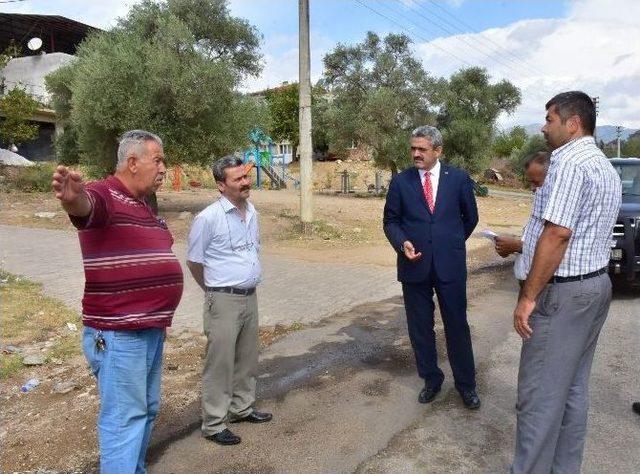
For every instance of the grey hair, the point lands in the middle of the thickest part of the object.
(219, 167)
(132, 139)
(430, 133)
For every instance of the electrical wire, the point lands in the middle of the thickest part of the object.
(501, 58)
(461, 39)
(421, 37)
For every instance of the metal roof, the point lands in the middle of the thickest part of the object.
(58, 34)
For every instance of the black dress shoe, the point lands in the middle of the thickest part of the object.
(225, 438)
(427, 394)
(470, 399)
(254, 417)
(636, 407)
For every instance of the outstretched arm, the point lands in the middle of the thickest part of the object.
(69, 188)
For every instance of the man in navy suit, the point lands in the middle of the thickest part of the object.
(429, 214)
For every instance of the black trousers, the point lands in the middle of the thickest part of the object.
(419, 306)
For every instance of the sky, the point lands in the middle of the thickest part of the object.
(542, 46)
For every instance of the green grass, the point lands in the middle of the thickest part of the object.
(28, 316)
(10, 365)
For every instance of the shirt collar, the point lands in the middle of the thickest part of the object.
(115, 182)
(228, 206)
(435, 171)
(560, 150)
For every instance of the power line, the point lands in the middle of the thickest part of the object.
(422, 38)
(463, 40)
(489, 40)
(572, 85)
(12, 1)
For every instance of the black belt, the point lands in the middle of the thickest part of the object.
(586, 276)
(231, 290)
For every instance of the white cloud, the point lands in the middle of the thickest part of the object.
(282, 65)
(594, 49)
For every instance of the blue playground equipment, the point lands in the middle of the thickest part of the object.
(264, 160)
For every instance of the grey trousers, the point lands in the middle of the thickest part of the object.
(553, 381)
(229, 374)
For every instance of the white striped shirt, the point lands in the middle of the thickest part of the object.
(581, 192)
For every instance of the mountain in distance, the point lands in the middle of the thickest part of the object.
(606, 133)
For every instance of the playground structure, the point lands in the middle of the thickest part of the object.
(272, 165)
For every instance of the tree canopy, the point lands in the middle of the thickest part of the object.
(16, 108)
(504, 143)
(469, 107)
(172, 68)
(283, 110)
(284, 116)
(379, 92)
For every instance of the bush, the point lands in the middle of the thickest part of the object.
(30, 179)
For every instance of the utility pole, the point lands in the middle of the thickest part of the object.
(618, 135)
(596, 103)
(306, 206)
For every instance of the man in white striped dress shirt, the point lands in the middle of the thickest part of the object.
(565, 298)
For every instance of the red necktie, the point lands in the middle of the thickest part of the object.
(428, 191)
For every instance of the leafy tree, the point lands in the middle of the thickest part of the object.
(320, 101)
(16, 107)
(379, 93)
(505, 142)
(631, 146)
(171, 67)
(469, 106)
(533, 144)
(284, 114)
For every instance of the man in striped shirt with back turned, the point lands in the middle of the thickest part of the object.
(133, 286)
(565, 298)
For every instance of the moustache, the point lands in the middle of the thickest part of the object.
(245, 188)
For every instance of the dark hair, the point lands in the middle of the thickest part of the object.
(575, 103)
(219, 167)
(540, 157)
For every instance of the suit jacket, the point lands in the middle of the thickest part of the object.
(439, 236)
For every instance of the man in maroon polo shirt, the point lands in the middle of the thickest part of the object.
(133, 286)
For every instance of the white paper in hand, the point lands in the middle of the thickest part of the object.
(489, 234)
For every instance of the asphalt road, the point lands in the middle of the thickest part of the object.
(343, 394)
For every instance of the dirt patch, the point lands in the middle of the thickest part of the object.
(42, 429)
(347, 229)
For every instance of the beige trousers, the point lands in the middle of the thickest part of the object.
(229, 374)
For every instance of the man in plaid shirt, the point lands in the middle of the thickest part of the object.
(565, 298)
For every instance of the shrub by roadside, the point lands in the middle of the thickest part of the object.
(29, 179)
